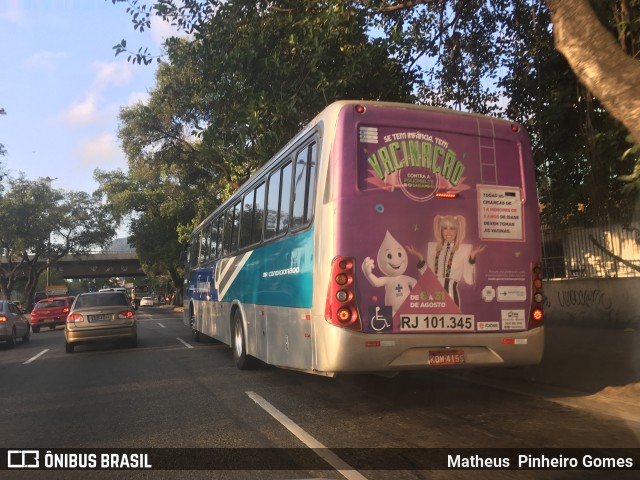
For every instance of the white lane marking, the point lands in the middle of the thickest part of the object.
(184, 343)
(161, 325)
(38, 355)
(327, 455)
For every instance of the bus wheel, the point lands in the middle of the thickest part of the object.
(243, 361)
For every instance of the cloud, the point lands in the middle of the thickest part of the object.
(100, 151)
(83, 113)
(111, 73)
(12, 11)
(45, 61)
(93, 109)
(136, 97)
(161, 30)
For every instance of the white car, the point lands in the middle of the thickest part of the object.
(13, 324)
(147, 302)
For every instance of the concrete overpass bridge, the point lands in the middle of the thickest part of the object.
(98, 265)
(105, 264)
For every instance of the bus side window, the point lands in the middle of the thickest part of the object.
(313, 149)
(214, 239)
(247, 219)
(273, 197)
(204, 245)
(193, 252)
(228, 228)
(220, 222)
(304, 186)
(235, 233)
(258, 214)
(285, 199)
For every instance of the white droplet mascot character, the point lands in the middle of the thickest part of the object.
(392, 262)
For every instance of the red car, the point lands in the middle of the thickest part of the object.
(50, 312)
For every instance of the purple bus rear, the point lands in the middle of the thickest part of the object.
(437, 228)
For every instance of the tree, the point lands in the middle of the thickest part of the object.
(156, 207)
(600, 63)
(580, 164)
(165, 184)
(41, 225)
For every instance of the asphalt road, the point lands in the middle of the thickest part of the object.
(173, 393)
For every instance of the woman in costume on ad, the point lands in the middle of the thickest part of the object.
(448, 258)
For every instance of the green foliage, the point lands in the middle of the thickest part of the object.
(41, 224)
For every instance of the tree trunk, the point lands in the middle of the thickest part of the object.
(30, 287)
(7, 280)
(598, 60)
(5, 289)
(178, 283)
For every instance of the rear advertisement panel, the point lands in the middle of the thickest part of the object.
(447, 251)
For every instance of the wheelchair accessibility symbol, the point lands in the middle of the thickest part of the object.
(381, 318)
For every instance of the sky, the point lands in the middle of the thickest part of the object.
(62, 87)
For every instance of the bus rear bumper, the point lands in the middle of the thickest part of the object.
(354, 352)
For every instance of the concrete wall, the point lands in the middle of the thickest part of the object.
(604, 302)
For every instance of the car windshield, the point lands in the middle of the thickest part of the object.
(54, 303)
(106, 299)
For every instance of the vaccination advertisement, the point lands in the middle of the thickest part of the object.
(446, 251)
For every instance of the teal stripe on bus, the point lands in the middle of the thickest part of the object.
(278, 274)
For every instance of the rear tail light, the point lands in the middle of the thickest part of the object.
(341, 309)
(65, 310)
(75, 318)
(537, 314)
(124, 315)
(3, 319)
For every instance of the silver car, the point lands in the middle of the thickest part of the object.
(100, 317)
(13, 324)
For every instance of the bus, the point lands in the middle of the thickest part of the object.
(383, 237)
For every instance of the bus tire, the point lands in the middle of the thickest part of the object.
(243, 361)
